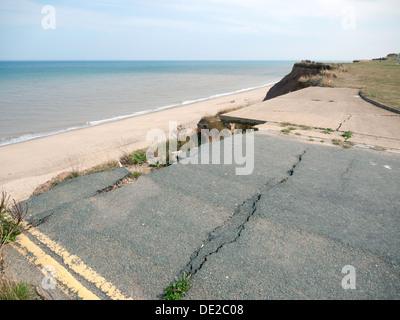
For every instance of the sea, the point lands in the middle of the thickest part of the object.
(41, 98)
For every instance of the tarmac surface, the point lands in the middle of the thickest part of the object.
(286, 231)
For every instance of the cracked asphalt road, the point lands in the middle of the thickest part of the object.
(231, 230)
(337, 208)
(283, 232)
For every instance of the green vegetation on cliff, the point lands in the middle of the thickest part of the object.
(377, 79)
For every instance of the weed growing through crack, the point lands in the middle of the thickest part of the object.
(177, 290)
(347, 135)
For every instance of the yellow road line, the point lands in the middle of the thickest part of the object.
(78, 266)
(39, 258)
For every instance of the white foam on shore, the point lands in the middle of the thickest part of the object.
(32, 136)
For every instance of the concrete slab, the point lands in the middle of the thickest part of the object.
(341, 109)
(380, 126)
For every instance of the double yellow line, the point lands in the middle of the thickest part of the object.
(65, 280)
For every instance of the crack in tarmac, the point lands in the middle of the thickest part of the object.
(342, 123)
(116, 185)
(231, 230)
(344, 178)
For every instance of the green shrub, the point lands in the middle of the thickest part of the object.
(347, 135)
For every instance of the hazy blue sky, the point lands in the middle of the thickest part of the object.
(199, 30)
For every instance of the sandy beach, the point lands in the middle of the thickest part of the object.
(28, 164)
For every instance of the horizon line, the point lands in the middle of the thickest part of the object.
(168, 60)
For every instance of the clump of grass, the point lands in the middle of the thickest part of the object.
(16, 291)
(345, 144)
(10, 219)
(328, 131)
(321, 80)
(286, 131)
(287, 124)
(348, 144)
(176, 290)
(304, 127)
(379, 148)
(103, 167)
(347, 135)
(227, 110)
(71, 175)
(329, 74)
(136, 174)
(138, 157)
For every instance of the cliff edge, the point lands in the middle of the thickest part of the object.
(304, 74)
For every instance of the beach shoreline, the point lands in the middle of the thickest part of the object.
(41, 134)
(26, 165)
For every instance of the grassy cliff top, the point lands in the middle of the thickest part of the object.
(377, 79)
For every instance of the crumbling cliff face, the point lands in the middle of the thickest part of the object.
(304, 74)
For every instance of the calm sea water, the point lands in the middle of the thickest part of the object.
(43, 98)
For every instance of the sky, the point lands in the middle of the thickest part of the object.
(323, 30)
